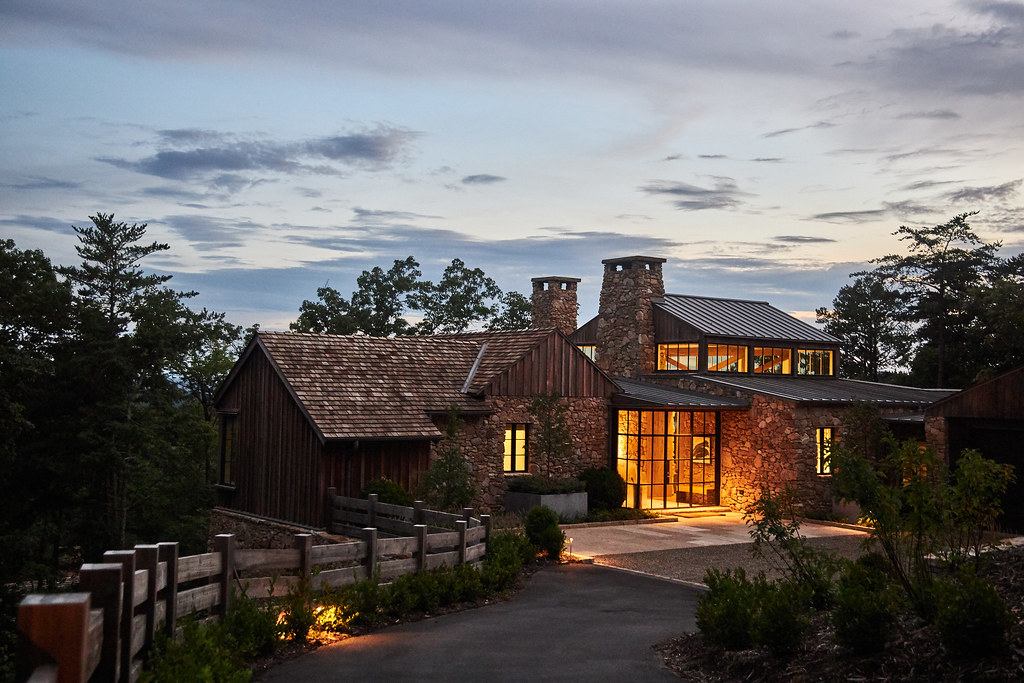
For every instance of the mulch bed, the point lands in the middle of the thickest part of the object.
(914, 654)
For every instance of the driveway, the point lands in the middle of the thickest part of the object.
(572, 621)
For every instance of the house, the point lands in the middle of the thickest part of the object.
(696, 401)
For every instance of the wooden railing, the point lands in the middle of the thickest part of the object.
(106, 631)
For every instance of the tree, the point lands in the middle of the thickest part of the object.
(462, 298)
(999, 309)
(448, 482)
(515, 313)
(868, 316)
(944, 266)
(551, 440)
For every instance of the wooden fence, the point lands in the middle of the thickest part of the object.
(106, 631)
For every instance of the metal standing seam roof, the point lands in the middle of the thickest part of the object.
(659, 394)
(821, 390)
(740, 318)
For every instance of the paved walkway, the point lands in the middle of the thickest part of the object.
(576, 621)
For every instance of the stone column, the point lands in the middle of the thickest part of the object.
(625, 330)
(555, 303)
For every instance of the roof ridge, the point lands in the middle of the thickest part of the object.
(717, 298)
(368, 337)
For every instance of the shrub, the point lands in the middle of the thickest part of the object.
(971, 617)
(448, 482)
(606, 490)
(388, 492)
(201, 653)
(507, 553)
(545, 486)
(865, 607)
(251, 626)
(543, 531)
(297, 608)
(780, 617)
(725, 613)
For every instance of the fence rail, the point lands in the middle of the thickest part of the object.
(106, 631)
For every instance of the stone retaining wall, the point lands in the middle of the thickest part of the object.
(252, 531)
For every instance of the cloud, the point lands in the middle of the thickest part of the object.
(985, 192)
(724, 195)
(674, 157)
(483, 179)
(712, 156)
(787, 131)
(41, 183)
(206, 233)
(803, 239)
(190, 136)
(865, 216)
(936, 114)
(928, 184)
(46, 223)
(362, 215)
(769, 160)
(843, 34)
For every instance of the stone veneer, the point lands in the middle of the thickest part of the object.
(554, 303)
(482, 441)
(252, 531)
(625, 327)
(936, 435)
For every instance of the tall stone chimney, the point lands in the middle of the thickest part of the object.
(554, 302)
(625, 329)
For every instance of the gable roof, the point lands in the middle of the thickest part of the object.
(502, 350)
(829, 391)
(740, 318)
(999, 397)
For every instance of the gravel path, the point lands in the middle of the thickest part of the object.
(689, 564)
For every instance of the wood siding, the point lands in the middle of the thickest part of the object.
(668, 328)
(349, 466)
(277, 466)
(999, 398)
(553, 366)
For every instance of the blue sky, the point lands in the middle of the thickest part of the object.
(766, 149)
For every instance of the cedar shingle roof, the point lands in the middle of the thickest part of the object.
(503, 349)
(355, 386)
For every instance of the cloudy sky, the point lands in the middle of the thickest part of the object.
(766, 149)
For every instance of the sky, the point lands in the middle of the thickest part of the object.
(767, 150)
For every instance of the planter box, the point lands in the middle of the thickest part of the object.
(567, 505)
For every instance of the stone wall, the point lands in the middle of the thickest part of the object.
(554, 303)
(625, 328)
(936, 435)
(259, 532)
(482, 440)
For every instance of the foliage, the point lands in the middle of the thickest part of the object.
(201, 653)
(297, 613)
(515, 312)
(543, 531)
(781, 617)
(725, 614)
(388, 492)
(507, 553)
(251, 626)
(606, 489)
(550, 435)
(868, 316)
(865, 607)
(545, 485)
(614, 515)
(972, 619)
(448, 483)
(974, 503)
(462, 298)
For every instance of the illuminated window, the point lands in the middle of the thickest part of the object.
(589, 350)
(772, 361)
(823, 439)
(678, 356)
(516, 448)
(814, 362)
(228, 447)
(727, 358)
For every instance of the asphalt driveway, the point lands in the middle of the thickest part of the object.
(573, 621)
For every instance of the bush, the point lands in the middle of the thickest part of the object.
(543, 531)
(201, 653)
(448, 482)
(298, 609)
(865, 607)
(251, 627)
(780, 617)
(388, 492)
(507, 553)
(971, 617)
(545, 486)
(606, 490)
(725, 613)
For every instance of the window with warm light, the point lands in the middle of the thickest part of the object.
(727, 358)
(823, 439)
(814, 362)
(516, 448)
(589, 350)
(678, 356)
(770, 360)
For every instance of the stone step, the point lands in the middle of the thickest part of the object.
(695, 512)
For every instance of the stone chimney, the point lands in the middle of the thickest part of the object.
(554, 302)
(625, 329)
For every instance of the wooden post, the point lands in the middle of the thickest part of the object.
(225, 545)
(329, 509)
(371, 510)
(58, 625)
(371, 552)
(467, 514)
(304, 543)
(126, 558)
(148, 557)
(169, 556)
(417, 511)
(485, 520)
(421, 547)
(104, 584)
(460, 526)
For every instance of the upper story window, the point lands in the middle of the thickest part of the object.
(727, 358)
(228, 446)
(823, 439)
(770, 360)
(678, 356)
(589, 350)
(516, 448)
(814, 362)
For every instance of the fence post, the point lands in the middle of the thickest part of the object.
(485, 520)
(126, 558)
(421, 547)
(104, 584)
(467, 514)
(417, 511)
(169, 556)
(460, 526)
(225, 545)
(329, 509)
(304, 543)
(59, 626)
(371, 510)
(371, 553)
(148, 557)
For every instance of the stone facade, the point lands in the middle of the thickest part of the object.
(482, 440)
(625, 329)
(936, 435)
(253, 532)
(555, 304)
